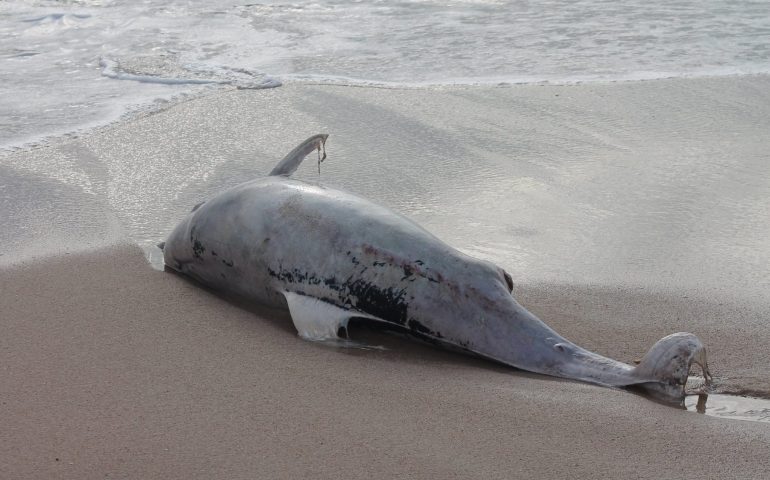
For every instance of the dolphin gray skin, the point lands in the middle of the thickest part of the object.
(331, 256)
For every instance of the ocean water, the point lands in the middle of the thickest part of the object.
(72, 64)
(730, 406)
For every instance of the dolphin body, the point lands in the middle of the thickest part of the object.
(332, 256)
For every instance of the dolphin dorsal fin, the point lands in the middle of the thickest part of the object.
(290, 162)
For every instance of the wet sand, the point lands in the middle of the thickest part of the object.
(111, 369)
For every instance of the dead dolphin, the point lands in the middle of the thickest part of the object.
(332, 256)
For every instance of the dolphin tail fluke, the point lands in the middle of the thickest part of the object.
(665, 368)
(290, 162)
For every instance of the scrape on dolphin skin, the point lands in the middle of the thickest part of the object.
(331, 256)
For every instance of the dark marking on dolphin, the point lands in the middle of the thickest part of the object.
(198, 248)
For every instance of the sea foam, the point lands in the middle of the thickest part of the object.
(93, 58)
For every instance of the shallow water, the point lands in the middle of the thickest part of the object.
(591, 187)
(730, 406)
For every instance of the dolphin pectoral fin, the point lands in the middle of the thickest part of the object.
(290, 162)
(315, 319)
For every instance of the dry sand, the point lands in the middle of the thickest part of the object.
(110, 369)
(114, 370)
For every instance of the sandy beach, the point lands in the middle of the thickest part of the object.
(624, 212)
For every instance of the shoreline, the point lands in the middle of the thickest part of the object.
(555, 150)
(156, 106)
